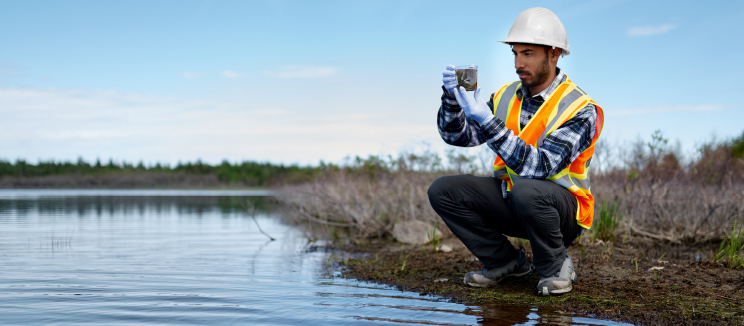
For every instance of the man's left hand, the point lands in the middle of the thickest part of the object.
(475, 108)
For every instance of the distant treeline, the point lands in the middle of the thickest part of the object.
(246, 173)
(714, 163)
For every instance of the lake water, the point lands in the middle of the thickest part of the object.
(193, 258)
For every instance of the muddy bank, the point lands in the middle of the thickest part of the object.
(637, 282)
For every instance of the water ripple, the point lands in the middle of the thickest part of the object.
(191, 258)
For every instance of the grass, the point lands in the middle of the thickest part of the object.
(608, 222)
(732, 248)
(405, 259)
(329, 258)
(433, 236)
(519, 242)
(59, 242)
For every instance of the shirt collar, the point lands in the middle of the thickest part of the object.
(559, 78)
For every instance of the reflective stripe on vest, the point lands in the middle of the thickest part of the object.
(500, 108)
(559, 107)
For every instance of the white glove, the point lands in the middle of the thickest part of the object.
(449, 79)
(476, 109)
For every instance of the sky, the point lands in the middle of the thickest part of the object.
(303, 81)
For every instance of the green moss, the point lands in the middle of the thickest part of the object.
(615, 293)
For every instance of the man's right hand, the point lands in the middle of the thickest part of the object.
(449, 79)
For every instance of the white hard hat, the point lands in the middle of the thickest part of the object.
(539, 26)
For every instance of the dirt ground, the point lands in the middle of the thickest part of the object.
(638, 282)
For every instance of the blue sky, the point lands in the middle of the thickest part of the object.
(301, 81)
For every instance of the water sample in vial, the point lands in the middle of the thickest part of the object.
(467, 76)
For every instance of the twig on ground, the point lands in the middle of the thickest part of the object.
(251, 209)
(721, 296)
(321, 221)
(655, 236)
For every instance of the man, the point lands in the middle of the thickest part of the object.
(543, 129)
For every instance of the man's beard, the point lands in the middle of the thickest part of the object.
(542, 74)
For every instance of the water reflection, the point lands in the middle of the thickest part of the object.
(192, 260)
(516, 315)
(128, 205)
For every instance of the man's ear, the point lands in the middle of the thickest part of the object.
(555, 53)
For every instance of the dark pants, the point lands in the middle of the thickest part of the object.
(476, 212)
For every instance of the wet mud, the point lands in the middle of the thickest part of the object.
(638, 282)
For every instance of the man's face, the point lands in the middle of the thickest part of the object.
(532, 64)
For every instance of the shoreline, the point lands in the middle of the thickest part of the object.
(638, 282)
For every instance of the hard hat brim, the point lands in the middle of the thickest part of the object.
(564, 52)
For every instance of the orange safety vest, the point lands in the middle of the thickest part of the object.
(562, 105)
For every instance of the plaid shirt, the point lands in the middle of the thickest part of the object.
(560, 148)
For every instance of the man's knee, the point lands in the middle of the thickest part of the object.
(439, 187)
(440, 194)
(446, 188)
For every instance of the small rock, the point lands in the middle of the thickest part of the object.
(655, 268)
(727, 287)
(414, 232)
(445, 248)
(441, 280)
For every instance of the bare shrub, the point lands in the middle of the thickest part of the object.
(663, 199)
(367, 197)
(659, 193)
(676, 210)
(362, 204)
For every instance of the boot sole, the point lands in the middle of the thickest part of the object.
(555, 292)
(481, 285)
(546, 292)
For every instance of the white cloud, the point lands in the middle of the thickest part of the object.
(650, 30)
(231, 74)
(670, 108)
(191, 75)
(65, 124)
(269, 112)
(298, 72)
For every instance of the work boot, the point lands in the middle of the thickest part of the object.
(517, 267)
(560, 282)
